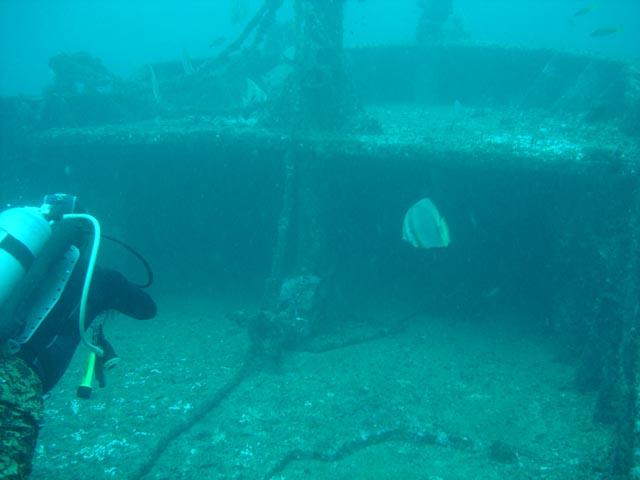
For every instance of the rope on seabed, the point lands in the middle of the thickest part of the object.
(345, 449)
(316, 346)
(368, 439)
(199, 413)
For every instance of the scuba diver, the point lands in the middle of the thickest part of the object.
(51, 292)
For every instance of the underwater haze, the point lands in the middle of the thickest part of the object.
(389, 239)
(127, 34)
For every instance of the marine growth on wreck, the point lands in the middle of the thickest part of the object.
(374, 257)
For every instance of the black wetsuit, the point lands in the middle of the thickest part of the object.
(51, 348)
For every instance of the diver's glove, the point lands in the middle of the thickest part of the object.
(96, 366)
(108, 360)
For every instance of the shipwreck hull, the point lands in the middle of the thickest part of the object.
(532, 157)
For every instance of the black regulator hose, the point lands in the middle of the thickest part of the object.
(136, 254)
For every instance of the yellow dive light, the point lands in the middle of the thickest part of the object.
(85, 388)
(96, 365)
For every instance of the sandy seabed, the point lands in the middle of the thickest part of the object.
(441, 400)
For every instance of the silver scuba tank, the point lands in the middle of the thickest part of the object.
(23, 233)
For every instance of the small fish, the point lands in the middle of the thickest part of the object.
(584, 11)
(605, 32)
(217, 42)
(289, 55)
(239, 11)
(473, 220)
(187, 65)
(254, 95)
(492, 292)
(458, 108)
(154, 84)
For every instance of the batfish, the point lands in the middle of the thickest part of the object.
(424, 227)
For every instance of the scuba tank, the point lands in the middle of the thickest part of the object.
(25, 234)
